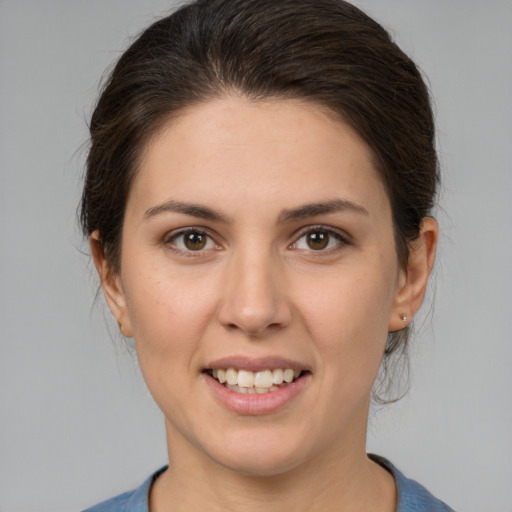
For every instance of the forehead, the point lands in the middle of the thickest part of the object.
(233, 149)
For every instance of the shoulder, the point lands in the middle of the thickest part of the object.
(132, 501)
(412, 496)
(120, 503)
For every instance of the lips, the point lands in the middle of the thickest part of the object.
(247, 381)
(256, 386)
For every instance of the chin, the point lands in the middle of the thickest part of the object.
(271, 466)
(260, 455)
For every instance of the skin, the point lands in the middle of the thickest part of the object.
(257, 289)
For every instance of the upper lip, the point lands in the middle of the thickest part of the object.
(256, 364)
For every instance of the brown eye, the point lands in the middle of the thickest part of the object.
(317, 240)
(321, 240)
(194, 241)
(191, 240)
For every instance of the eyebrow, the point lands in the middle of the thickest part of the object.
(301, 212)
(194, 210)
(320, 208)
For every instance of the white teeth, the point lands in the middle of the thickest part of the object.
(278, 376)
(288, 375)
(251, 391)
(245, 381)
(231, 376)
(263, 379)
(221, 376)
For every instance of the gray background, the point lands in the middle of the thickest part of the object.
(76, 422)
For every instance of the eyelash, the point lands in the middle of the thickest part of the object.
(341, 241)
(170, 242)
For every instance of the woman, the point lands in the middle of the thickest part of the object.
(257, 203)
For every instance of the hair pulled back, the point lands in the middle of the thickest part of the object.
(324, 51)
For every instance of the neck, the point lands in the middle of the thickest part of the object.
(341, 480)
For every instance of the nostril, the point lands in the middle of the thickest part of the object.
(253, 329)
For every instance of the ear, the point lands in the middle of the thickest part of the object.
(111, 285)
(413, 280)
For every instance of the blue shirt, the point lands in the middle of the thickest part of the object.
(412, 497)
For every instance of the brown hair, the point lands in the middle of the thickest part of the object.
(324, 51)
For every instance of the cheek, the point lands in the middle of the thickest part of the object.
(167, 310)
(169, 314)
(348, 305)
(348, 314)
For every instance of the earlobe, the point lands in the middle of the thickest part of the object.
(414, 279)
(111, 285)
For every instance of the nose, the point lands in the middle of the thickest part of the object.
(254, 299)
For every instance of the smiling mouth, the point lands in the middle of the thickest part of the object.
(248, 382)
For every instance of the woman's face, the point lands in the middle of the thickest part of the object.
(258, 238)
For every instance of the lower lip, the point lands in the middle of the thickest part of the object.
(255, 404)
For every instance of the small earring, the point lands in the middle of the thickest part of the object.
(404, 318)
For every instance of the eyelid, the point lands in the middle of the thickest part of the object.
(343, 237)
(174, 234)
